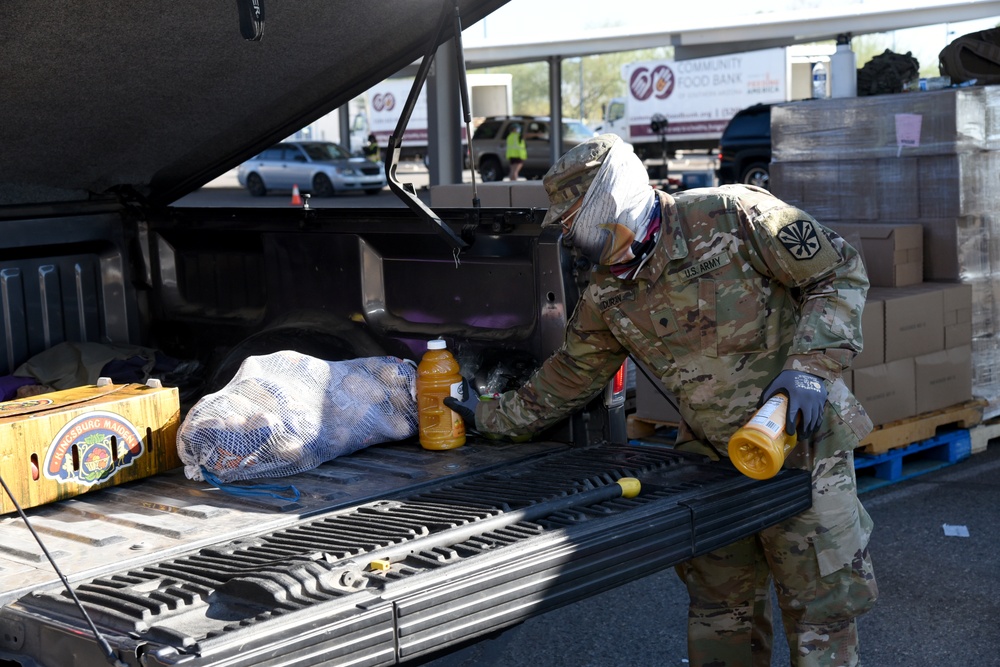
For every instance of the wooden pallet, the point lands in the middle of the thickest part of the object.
(922, 427)
(919, 458)
(983, 433)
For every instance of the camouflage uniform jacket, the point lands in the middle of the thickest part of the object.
(739, 287)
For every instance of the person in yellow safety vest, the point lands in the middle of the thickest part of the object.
(517, 151)
(371, 150)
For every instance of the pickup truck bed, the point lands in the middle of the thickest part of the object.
(178, 573)
(389, 554)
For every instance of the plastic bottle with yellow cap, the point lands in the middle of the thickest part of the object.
(437, 378)
(759, 448)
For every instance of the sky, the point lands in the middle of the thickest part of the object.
(538, 20)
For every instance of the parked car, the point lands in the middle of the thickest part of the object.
(321, 168)
(489, 143)
(745, 148)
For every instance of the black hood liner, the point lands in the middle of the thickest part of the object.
(157, 99)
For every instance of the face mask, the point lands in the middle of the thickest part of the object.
(616, 209)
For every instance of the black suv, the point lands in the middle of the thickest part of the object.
(745, 148)
(489, 143)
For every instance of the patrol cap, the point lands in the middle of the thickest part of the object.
(568, 179)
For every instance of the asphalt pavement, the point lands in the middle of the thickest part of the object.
(939, 600)
(226, 191)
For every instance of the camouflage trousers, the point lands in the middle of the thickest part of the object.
(820, 590)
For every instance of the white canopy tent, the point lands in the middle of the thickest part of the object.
(692, 40)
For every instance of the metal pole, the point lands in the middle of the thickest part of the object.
(555, 108)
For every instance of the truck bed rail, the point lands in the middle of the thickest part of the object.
(297, 582)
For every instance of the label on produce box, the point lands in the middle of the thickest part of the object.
(907, 131)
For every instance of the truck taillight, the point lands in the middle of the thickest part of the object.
(614, 392)
(618, 384)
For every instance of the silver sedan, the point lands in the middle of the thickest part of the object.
(321, 168)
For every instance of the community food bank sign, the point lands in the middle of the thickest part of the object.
(699, 97)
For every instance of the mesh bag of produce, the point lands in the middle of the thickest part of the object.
(287, 412)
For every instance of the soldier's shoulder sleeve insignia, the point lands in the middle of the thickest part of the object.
(800, 245)
(800, 239)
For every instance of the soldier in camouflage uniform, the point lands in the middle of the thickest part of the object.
(729, 295)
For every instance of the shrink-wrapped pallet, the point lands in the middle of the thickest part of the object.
(931, 158)
(943, 122)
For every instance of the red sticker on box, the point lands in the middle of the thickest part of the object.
(104, 442)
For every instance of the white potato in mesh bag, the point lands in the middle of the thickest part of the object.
(287, 412)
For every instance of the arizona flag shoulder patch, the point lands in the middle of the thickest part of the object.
(801, 239)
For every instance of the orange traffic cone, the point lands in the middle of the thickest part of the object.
(296, 197)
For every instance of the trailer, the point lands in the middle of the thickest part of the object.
(377, 112)
(686, 104)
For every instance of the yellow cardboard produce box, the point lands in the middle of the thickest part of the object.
(64, 443)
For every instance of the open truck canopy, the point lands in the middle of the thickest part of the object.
(129, 99)
(114, 110)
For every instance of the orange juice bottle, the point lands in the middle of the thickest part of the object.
(759, 447)
(438, 378)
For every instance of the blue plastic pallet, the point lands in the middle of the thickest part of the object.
(895, 465)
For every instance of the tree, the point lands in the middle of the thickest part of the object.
(530, 87)
(866, 47)
(602, 80)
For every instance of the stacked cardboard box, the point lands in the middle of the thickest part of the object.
(893, 254)
(917, 354)
(893, 161)
(65, 443)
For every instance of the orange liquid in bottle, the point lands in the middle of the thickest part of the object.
(438, 377)
(759, 447)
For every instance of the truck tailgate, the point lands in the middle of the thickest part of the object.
(380, 561)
